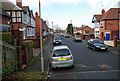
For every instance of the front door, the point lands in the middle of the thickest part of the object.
(117, 36)
(108, 36)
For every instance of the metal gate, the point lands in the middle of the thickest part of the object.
(9, 58)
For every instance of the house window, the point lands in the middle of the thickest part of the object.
(29, 32)
(13, 14)
(18, 14)
(101, 23)
(13, 19)
(18, 19)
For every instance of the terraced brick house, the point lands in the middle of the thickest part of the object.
(5, 21)
(109, 24)
(96, 21)
(22, 18)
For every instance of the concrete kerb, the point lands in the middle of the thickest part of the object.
(114, 52)
(48, 69)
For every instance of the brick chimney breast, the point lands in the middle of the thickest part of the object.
(36, 14)
(103, 11)
(19, 3)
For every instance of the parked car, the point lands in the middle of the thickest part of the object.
(67, 36)
(61, 56)
(57, 40)
(96, 44)
(77, 38)
(64, 34)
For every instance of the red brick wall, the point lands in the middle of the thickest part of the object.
(37, 25)
(113, 26)
(86, 28)
(5, 20)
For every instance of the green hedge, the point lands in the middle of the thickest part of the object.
(11, 67)
(6, 37)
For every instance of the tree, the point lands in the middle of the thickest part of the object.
(70, 29)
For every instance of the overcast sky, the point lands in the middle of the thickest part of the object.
(61, 12)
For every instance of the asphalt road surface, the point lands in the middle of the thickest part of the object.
(89, 64)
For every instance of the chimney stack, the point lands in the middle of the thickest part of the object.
(19, 3)
(103, 11)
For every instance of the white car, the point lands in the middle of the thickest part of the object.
(61, 56)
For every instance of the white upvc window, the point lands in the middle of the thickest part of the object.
(30, 31)
(101, 23)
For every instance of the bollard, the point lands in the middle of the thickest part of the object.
(115, 41)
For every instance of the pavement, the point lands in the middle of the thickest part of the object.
(115, 50)
(36, 64)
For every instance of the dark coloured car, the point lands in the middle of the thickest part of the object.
(57, 40)
(96, 44)
(67, 36)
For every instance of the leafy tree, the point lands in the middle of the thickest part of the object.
(70, 29)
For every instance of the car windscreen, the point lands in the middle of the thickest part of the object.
(97, 41)
(56, 38)
(61, 52)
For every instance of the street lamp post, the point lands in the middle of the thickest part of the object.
(42, 59)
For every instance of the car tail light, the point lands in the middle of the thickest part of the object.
(53, 60)
(71, 58)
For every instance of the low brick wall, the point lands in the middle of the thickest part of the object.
(36, 43)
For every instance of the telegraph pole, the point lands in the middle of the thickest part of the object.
(42, 59)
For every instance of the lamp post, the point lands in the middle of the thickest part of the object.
(42, 59)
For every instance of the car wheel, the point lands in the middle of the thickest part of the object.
(87, 46)
(73, 66)
(94, 48)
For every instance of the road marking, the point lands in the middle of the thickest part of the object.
(88, 72)
(81, 65)
(104, 66)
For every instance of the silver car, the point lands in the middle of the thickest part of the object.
(77, 38)
(61, 57)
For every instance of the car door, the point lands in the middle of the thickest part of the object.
(91, 43)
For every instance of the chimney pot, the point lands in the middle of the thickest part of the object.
(103, 11)
(19, 3)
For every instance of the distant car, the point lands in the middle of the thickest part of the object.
(96, 44)
(77, 38)
(61, 56)
(57, 40)
(64, 35)
(67, 36)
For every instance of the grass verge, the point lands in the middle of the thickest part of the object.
(22, 76)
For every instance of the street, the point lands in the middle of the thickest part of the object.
(89, 64)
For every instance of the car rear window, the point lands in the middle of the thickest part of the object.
(78, 36)
(61, 52)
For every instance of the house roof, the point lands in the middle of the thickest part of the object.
(10, 6)
(98, 17)
(81, 28)
(89, 31)
(25, 8)
(112, 13)
(4, 13)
